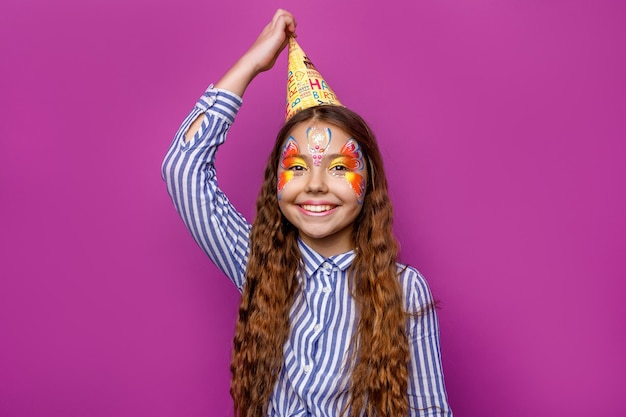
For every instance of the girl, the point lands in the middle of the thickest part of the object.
(329, 323)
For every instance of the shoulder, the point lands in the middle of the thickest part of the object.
(417, 294)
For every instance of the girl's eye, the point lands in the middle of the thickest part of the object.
(295, 165)
(338, 169)
(297, 169)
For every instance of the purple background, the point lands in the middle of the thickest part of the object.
(503, 125)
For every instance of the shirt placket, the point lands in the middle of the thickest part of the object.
(320, 303)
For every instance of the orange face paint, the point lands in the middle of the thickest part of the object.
(350, 166)
(291, 162)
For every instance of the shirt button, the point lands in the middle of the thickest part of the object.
(307, 368)
(326, 290)
(318, 327)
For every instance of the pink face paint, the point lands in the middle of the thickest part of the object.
(353, 162)
(290, 158)
(318, 141)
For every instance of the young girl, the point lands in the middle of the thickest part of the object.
(329, 323)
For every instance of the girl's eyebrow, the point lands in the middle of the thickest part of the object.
(297, 155)
(338, 155)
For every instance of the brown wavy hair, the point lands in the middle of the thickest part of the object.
(378, 384)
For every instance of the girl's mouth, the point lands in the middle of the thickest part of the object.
(317, 208)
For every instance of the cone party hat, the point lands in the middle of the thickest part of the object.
(305, 85)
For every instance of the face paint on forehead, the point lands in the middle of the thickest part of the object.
(318, 141)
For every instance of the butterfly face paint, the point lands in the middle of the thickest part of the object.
(350, 166)
(291, 162)
(318, 141)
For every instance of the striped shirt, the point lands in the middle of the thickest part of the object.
(315, 375)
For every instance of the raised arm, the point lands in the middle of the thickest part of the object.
(189, 165)
(262, 54)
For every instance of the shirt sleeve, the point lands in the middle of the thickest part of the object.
(426, 389)
(189, 173)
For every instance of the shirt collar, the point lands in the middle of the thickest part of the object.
(312, 260)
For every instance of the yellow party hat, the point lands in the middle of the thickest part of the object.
(305, 85)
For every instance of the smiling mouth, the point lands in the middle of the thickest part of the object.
(317, 208)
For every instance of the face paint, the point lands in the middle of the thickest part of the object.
(350, 166)
(318, 140)
(291, 162)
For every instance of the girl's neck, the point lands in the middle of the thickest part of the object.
(328, 247)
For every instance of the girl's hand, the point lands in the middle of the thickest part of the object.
(265, 50)
(262, 54)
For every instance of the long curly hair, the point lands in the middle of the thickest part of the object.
(378, 386)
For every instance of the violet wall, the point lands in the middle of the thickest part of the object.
(503, 125)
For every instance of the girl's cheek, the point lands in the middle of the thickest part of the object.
(357, 183)
(283, 178)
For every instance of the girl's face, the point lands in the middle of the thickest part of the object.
(322, 178)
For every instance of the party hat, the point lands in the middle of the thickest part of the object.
(305, 85)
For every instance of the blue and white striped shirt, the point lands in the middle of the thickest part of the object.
(315, 375)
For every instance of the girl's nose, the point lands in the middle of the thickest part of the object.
(316, 181)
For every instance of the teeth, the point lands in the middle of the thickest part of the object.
(316, 208)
